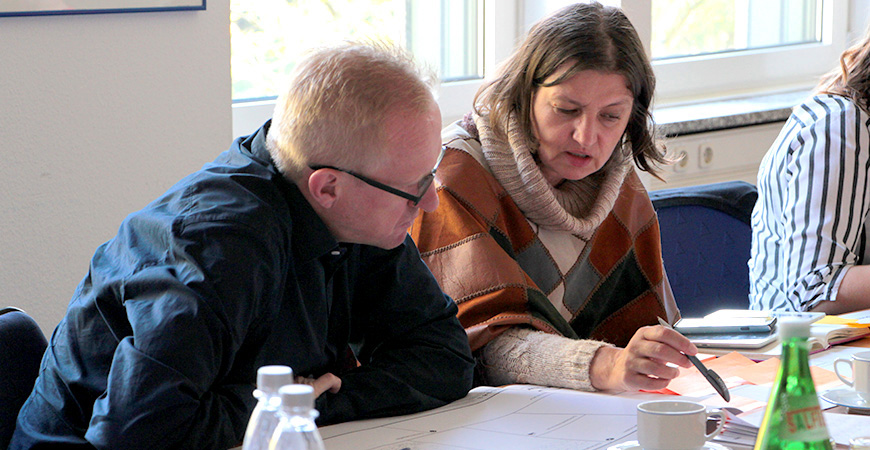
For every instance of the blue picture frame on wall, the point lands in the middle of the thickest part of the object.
(53, 7)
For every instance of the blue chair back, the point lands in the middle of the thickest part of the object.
(21, 347)
(706, 236)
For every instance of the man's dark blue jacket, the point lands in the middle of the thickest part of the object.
(230, 270)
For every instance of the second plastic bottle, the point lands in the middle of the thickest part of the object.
(265, 418)
(297, 430)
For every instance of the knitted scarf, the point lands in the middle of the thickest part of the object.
(577, 207)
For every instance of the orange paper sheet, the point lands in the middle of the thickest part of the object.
(691, 383)
(736, 369)
(744, 404)
(837, 320)
(765, 372)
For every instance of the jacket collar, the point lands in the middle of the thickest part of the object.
(310, 238)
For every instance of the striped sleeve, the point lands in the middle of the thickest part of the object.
(813, 200)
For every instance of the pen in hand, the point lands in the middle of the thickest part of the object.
(710, 375)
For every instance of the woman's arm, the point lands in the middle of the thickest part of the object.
(853, 294)
(523, 355)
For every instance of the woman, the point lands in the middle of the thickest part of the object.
(809, 226)
(545, 236)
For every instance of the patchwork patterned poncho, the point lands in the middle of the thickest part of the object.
(505, 270)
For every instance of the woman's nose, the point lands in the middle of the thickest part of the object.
(584, 131)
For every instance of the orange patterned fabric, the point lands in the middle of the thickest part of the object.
(489, 259)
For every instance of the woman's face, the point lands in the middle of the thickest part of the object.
(579, 122)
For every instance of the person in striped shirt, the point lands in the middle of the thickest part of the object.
(809, 226)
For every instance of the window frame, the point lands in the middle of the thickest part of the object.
(711, 76)
(500, 30)
(745, 72)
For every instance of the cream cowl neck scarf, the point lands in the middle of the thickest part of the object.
(577, 207)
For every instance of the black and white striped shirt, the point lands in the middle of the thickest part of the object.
(808, 226)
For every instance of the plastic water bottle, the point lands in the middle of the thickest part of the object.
(793, 419)
(265, 418)
(297, 430)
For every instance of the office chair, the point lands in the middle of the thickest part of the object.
(706, 236)
(21, 347)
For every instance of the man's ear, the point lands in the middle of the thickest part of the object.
(323, 186)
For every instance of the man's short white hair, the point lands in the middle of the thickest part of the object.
(334, 107)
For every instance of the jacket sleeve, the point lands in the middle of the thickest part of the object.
(413, 353)
(174, 381)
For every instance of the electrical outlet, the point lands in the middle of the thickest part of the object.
(682, 163)
(705, 155)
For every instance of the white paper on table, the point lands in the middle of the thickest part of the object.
(862, 316)
(738, 432)
(518, 417)
(842, 427)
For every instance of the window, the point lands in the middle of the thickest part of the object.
(700, 48)
(683, 28)
(269, 36)
(725, 47)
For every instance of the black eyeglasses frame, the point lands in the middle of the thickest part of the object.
(414, 199)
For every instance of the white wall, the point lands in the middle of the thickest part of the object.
(716, 156)
(99, 114)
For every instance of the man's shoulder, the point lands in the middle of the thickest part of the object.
(224, 191)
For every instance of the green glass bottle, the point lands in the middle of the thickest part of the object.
(793, 419)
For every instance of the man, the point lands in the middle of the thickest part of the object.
(290, 248)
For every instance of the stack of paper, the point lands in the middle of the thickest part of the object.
(841, 427)
(737, 432)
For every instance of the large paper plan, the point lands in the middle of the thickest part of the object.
(516, 417)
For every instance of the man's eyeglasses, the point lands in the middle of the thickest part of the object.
(422, 187)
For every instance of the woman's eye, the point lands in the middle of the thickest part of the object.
(565, 111)
(611, 117)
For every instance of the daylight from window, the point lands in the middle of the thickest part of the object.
(699, 47)
(683, 28)
(269, 36)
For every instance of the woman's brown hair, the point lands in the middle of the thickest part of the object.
(852, 78)
(591, 37)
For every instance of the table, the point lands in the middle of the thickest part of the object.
(534, 417)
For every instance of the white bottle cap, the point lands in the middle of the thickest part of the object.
(271, 378)
(297, 396)
(792, 328)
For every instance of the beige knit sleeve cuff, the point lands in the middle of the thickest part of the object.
(522, 355)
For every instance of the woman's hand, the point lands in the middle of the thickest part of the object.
(642, 364)
(323, 383)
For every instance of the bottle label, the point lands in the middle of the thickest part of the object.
(803, 419)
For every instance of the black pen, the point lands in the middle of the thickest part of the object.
(711, 376)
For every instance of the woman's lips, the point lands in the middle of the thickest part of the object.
(578, 159)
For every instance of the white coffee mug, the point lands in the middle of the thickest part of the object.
(859, 443)
(675, 425)
(860, 382)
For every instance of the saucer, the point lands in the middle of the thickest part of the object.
(846, 397)
(633, 445)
